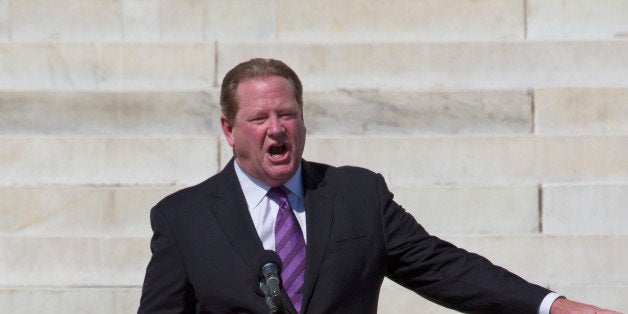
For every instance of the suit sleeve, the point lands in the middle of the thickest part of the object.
(166, 287)
(447, 275)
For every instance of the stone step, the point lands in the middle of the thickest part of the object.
(388, 66)
(477, 160)
(73, 261)
(348, 112)
(326, 113)
(581, 110)
(251, 20)
(84, 211)
(109, 113)
(585, 209)
(106, 66)
(35, 161)
(32, 300)
(398, 20)
(403, 160)
(443, 66)
(121, 261)
(147, 21)
(557, 19)
(472, 209)
(485, 160)
(325, 20)
(355, 112)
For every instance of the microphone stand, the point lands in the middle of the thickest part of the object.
(272, 306)
(269, 263)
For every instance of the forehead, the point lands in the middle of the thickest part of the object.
(258, 89)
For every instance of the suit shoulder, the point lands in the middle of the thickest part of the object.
(345, 173)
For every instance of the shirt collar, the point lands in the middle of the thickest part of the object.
(255, 191)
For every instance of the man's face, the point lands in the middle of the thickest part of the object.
(268, 134)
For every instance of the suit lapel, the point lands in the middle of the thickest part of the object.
(232, 214)
(319, 214)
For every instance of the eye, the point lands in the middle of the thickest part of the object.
(289, 114)
(259, 119)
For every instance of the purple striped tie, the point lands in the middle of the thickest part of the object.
(290, 246)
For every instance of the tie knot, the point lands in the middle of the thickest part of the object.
(278, 194)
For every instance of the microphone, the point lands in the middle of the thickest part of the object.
(269, 263)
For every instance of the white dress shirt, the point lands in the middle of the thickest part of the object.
(264, 212)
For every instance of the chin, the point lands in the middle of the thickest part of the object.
(283, 173)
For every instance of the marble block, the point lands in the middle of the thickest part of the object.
(485, 160)
(183, 20)
(400, 20)
(581, 110)
(5, 20)
(73, 261)
(109, 113)
(241, 21)
(472, 209)
(442, 66)
(585, 209)
(118, 300)
(78, 211)
(354, 112)
(142, 20)
(66, 20)
(576, 19)
(33, 161)
(330, 113)
(106, 66)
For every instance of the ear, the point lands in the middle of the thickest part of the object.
(227, 129)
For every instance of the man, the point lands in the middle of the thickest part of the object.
(337, 230)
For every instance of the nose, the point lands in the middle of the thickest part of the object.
(274, 126)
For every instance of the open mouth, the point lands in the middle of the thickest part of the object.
(277, 151)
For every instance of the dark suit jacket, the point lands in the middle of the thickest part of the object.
(205, 248)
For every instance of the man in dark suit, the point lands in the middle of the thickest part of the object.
(338, 231)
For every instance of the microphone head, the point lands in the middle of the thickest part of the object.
(268, 257)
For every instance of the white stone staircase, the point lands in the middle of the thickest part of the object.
(501, 125)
